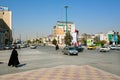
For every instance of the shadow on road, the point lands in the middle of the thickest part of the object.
(21, 65)
(1, 62)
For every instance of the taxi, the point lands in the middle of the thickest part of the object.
(91, 47)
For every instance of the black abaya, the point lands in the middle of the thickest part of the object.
(13, 59)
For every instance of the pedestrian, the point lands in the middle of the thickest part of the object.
(14, 61)
(57, 47)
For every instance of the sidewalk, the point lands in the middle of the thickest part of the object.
(65, 72)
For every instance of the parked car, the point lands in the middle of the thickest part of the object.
(79, 48)
(17, 46)
(33, 46)
(91, 47)
(115, 47)
(69, 50)
(118, 47)
(23, 46)
(105, 49)
(7, 47)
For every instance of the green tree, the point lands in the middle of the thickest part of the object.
(84, 38)
(102, 42)
(28, 41)
(54, 41)
(41, 40)
(84, 41)
(37, 41)
(68, 38)
(96, 40)
(33, 41)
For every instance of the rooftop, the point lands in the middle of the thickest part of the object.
(65, 22)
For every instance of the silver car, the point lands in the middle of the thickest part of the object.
(33, 46)
(104, 49)
(70, 50)
(115, 47)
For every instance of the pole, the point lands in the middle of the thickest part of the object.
(66, 19)
(20, 39)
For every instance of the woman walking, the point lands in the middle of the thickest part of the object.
(14, 58)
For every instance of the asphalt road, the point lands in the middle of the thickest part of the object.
(46, 57)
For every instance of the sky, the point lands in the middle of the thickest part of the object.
(36, 18)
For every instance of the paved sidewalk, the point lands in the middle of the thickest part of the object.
(65, 72)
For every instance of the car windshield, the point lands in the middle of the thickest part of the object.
(71, 48)
(104, 47)
(113, 46)
(92, 46)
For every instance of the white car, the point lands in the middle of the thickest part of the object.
(118, 47)
(33, 46)
(104, 49)
(115, 47)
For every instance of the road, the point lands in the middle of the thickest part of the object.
(46, 57)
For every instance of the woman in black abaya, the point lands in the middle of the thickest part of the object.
(57, 47)
(14, 58)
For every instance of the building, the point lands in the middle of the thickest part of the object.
(112, 37)
(5, 26)
(59, 30)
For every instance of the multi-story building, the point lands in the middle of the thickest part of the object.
(5, 25)
(111, 37)
(59, 30)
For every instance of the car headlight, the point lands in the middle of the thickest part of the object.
(71, 51)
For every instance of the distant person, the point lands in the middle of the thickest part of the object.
(14, 58)
(57, 47)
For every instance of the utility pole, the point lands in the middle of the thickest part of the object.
(20, 38)
(66, 19)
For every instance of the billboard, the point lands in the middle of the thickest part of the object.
(89, 42)
(115, 38)
(110, 37)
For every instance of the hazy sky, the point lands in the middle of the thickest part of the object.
(32, 18)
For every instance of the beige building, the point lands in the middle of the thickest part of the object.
(5, 26)
(59, 30)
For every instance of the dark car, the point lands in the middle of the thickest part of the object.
(70, 50)
(79, 48)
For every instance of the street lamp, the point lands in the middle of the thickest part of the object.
(66, 19)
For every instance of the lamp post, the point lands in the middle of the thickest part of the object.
(66, 19)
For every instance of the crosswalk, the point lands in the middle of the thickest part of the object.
(69, 72)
